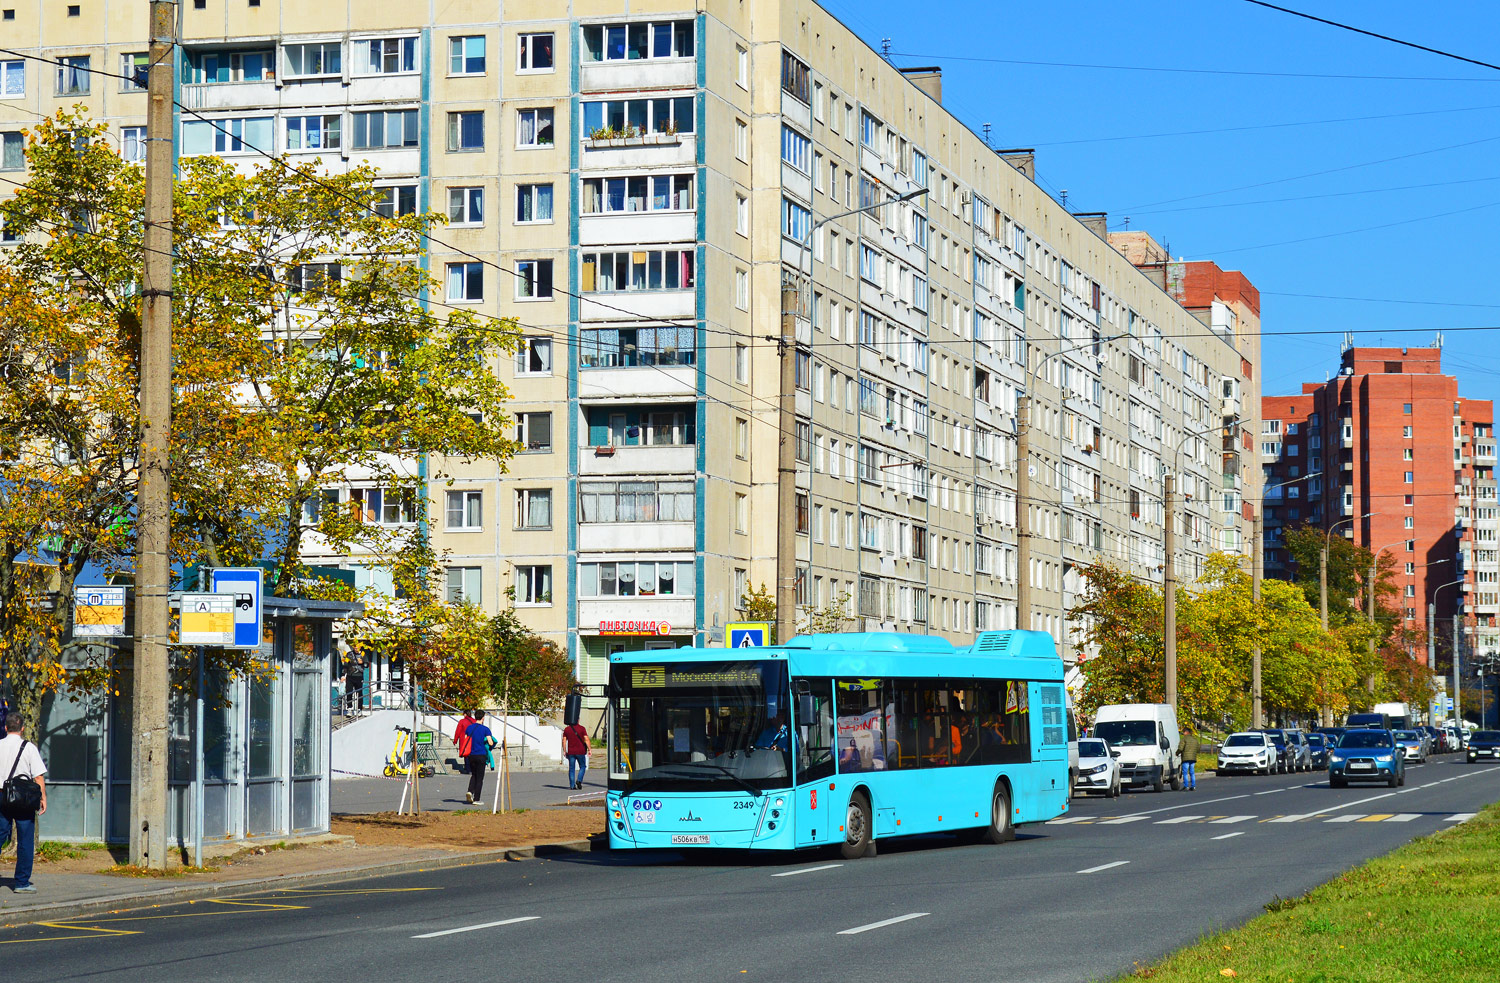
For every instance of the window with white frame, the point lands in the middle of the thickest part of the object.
(534, 356)
(638, 41)
(396, 199)
(235, 135)
(133, 144)
(466, 55)
(668, 114)
(637, 193)
(384, 129)
(466, 206)
(134, 66)
(534, 52)
(796, 220)
(534, 127)
(533, 583)
(796, 149)
(533, 203)
(463, 585)
(534, 432)
(319, 132)
(465, 281)
(534, 279)
(533, 508)
(641, 269)
(466, 131)
(464, 511)
(635, 501)
(383, 506)
(742, 290)
(312, 60)
(12, 78)
(639, 578)
(385, 56)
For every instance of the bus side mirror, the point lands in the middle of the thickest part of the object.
(805, 707)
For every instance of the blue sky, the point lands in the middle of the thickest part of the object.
(1440, 260)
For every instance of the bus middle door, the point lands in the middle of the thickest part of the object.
(817, 818)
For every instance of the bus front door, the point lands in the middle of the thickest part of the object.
(816, 782)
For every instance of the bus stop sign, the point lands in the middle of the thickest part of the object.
(747, 634)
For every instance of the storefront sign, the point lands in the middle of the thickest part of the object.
(634, 628)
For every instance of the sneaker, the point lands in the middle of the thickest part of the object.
(468, 796)
(26, 889)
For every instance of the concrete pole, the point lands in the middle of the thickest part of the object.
(1323, 620)
(786, 472)
(1169, 594)
(1370, 603)
(1257, 570)
(1431, 633)
(1023, 506)
(1458, 703)
(148, 764)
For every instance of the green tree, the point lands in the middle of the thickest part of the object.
(1121, 619)
(760, 605)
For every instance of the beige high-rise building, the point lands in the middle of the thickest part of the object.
(634, 183)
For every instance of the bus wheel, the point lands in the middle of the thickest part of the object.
(1000, 829)
(857, 827)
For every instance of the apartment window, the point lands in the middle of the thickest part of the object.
(385, 56)
(800, 509)
(742, 290)
(312, 60)
(643, 578)
(466, 55)
(741, 140)
(643, 269)
(796, 149)
(312, 278)
(794, 77)
(396, 199)
(313, 132)
(465, 206)
(534, 581)
(1406, 453)
(465, 281)
(463, 585)
(1411, 568)
(534, 357)
(215, 67)
(132, 144)
(73, 75)
(466, 131)
(616, 347)
(534, 52)
(621, 116)
(1410, 522)
(533, 203)
(1407, 477)
(534, 279)
(534, 432)
(1406, 432)
(1411, 546)
(741, 438)
(741, 363)
(869, 131)
(12, 78)
(635, 501)
(1406, 408)
(639, 193)
(133, 66)
(464, 511)
(804, 442)
(742, 67)
(534, 128)
(384, 129)
(238, 135)
(638, 41)
(796, 220)
(870, 266)
(742, 215)
(384, 506)
(533, 508)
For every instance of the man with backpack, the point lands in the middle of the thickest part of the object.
(24, 772)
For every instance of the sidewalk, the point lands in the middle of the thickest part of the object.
(528, 790)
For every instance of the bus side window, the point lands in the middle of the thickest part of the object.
(815, 736)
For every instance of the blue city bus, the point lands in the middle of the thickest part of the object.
(845, 738)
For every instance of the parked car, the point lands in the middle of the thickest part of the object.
(1438, 737)
(1456, 736)
(1484, 744)
(1378, 721)
(1317, 749)
(1250, 751)
(1098, 768)
(1284, 751)
(1365, 756)
(1413, 747)
(1146, 736)
(1332, 733)
(1301, 753)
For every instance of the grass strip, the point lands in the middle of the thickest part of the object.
(1429, 911)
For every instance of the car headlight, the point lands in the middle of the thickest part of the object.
(1096, 769)
(1388, 756)
(1147, 762)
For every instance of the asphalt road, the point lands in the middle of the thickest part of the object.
(1116, 882)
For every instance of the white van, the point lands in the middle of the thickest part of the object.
(1146, 737)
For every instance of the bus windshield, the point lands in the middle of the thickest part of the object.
(1124, 733)
(700, 726)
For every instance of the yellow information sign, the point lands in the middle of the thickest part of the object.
(206, 619)
(99, 612)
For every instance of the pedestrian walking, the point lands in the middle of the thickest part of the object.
(480, 739)
(576, 748)
(21, 761)
(1190, 761)
(354, 682)
(460, 736)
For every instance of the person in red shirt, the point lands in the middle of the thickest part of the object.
(576, 748)
(461, 739)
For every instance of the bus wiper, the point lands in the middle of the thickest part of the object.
(727, 773)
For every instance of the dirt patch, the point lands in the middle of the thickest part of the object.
(473, 830)
(265, 860)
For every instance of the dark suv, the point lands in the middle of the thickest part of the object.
(1286, 754)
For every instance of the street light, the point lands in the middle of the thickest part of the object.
(1024, 475)
(1323, 594)
(786, 462)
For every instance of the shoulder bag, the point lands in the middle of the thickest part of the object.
(20, 797)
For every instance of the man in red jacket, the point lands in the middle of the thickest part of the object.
(576, 747)
(461, 737)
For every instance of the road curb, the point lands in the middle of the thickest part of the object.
(69, 910)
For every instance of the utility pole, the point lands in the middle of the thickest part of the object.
(1023, 506)
(1169, 595)
(1327, 711)
(1458, 703)
(786, 472)
(1370, 603)
(1257, 570)
(148, 789)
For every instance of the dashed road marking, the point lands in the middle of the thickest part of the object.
(884, 922)
(475, 928)
(1095, 870)
(1228, 836)
(805, 870)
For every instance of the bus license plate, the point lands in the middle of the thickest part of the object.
(690, 839)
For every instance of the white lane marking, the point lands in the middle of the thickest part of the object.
(1287, 819)
(1228, 836)
(1404, 817)
(1177, 819)
(882, 924)
(1121, 821)
(1095, 870)
(475, 928)
(805, 870)
(1065, 820)
(1352, 817)
(1460, 817)
(1229, 819)
(1269, 791)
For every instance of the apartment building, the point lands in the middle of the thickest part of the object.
(1389, 455)
(635, 185)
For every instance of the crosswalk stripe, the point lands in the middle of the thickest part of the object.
(1352, 817)
(1405, 817)
(1230, 819)
(1121, 821)
(1460, 817)
(1177, 819)
(1285, 819)
(1065, 820)
(1377, 817)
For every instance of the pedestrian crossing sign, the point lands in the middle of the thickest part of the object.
(747, 634)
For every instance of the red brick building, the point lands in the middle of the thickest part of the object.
(1389, 455)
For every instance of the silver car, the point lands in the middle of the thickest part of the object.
(1413, 748)
(1301, 751)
